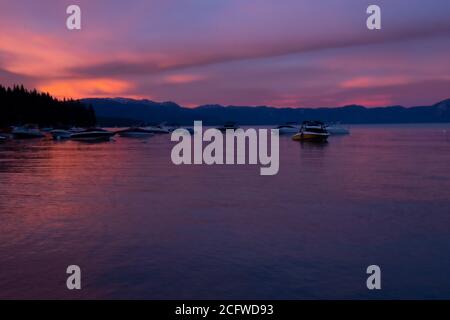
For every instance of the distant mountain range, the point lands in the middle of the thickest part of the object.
(124, 112)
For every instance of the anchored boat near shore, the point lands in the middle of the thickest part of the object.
(92, 135)
(59, 134)
(27, 132)
(288, 128)
(64, 134)
(157, 129)
(135, 132)
(312, 131)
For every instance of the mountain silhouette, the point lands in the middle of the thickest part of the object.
(121, 111)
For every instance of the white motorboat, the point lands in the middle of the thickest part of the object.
(288, 128)
(157, 129)
(336, 128)
(59, 134)
(312, 131)
(63, 134)
(27, 132)
(135, 132)
(92, 135)
(76, 129)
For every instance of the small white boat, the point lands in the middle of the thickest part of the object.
(135, 132)
(336, 128)
(158, 129)
(92, 135)
(312, 131)
(76, 129)
(288, 128)
(2, 138)
(59, 134)
(27, 132)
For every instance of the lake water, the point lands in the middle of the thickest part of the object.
(141, 227)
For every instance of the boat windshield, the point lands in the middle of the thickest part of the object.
(315, 130)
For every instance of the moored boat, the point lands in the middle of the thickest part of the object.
(60, 134)
(135, 132)
(27, 132)
(157, 129)
(76, 129)
(288, 128)
(92, 135)
(312, 131)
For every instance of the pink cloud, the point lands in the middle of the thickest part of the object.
(290, 53)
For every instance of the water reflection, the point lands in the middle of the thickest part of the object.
(141, 227)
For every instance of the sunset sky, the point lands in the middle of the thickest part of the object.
(298, 53)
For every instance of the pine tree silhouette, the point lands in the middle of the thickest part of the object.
(20, 106)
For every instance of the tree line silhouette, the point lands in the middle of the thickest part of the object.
(19, 106)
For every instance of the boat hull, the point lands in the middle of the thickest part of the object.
(92, 136)
(136, 134)
(157, 130)
(310, 137)
(61, 134)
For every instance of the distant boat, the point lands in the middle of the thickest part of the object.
(228, 126)
(312, 131)
(2, 139)
(335, 128)
(92, 135)
(59, 134)
(135, 132)
(27, 132)
(288, 128)
(63, 134)
(158, 129)
(76, 129)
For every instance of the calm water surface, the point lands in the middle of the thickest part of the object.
(141, 227)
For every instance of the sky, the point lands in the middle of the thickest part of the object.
(283, 53)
